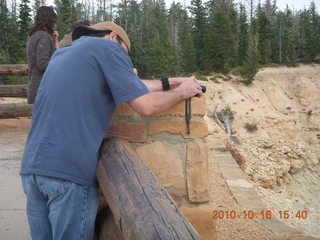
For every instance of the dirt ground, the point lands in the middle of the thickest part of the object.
(222, 199)
(281, 148)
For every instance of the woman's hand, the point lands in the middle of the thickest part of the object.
(55, 37)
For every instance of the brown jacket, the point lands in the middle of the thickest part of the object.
(40, 48)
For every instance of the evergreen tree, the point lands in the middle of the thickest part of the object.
(198, 30)
(24, 24)
(264, 35)
(220, 45)
(243, 35)
(4, 27)
(156, 44)
(67, 15)
(313, 43)
(250, 67)
(134, 30)
(184, 53)
(289, 39)
(187, 51)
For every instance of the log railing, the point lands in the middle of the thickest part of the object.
(142, 209)
(14, 70)
(13, 90)
(13, 110)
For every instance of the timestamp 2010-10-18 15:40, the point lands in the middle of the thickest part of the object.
(263, 214)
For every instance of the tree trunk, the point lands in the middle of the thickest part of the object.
(14, 70)
(13, 110)
(13, 90)
(142, 208)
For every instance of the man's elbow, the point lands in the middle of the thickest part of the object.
(146, 111)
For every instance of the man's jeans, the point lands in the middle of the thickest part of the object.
(59, 209)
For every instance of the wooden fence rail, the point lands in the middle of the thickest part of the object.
(141, 207)
(13, 110)
(13, 90)
(14, 70)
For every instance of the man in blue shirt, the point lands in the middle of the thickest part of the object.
(74, 105)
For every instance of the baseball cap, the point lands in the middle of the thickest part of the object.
(102, 26)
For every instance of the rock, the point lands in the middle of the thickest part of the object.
(201, 219)
(165, 163)
(197, 172)
(296, 165)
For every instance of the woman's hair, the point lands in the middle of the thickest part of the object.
(44, 20)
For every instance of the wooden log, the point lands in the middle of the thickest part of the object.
(142, 208)
(13, 110)
(13, 91)
(14, 70)
(106, 227)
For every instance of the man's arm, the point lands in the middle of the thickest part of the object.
(156, 85)
(159, 101)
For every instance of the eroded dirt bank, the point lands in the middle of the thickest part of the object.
(277, 123)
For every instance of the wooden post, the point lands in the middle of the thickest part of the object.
(13, 110)
(141, 207)
(14, 70)
(13, 90)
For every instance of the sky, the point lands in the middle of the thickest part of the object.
(293, 4)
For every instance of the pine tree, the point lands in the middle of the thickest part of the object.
(314, 45)
(187, 51)
(243, 35)
(184, 53)
(24, 24)
(4, 19)
(198, 30)
(134, 30)
(220, 45)
(157, 47)
(250, 67)
(305, 34)
(67, 15)
(264, 35)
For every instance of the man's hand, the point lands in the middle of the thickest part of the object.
(176, 82)
(159, 101)
(189, 87)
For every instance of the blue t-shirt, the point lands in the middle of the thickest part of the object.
(74, 105)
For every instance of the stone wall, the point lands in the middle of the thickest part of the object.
(177, 159)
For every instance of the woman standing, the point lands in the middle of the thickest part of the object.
(41, 44)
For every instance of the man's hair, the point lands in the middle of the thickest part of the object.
(80, 23)
(103, 33)
(44, 20)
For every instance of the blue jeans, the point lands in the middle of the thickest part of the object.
(59, 209)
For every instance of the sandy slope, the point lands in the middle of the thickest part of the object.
(283, 155)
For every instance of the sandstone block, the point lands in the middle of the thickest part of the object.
(201, 219)
(133, 132)
(197, 128)
(165, 163)
(122, 110)
(197, 172)
(198, 108)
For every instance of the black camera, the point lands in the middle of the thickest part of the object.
(203, 88)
